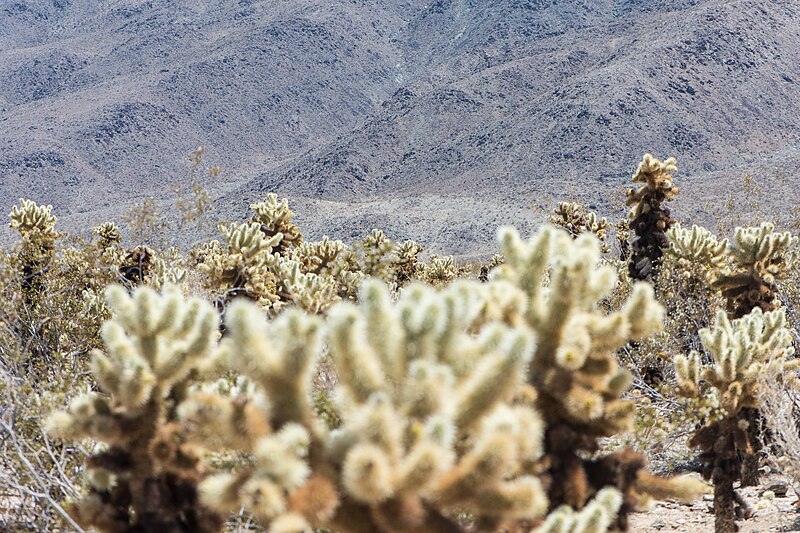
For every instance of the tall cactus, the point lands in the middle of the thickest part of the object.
(759, 257)
(574, 370)
(649, 218)
(36, 225)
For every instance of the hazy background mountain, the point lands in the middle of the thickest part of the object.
(437, 120)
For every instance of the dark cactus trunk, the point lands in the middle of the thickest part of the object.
(724, 516)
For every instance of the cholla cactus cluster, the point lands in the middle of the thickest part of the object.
(141, 265)
(249, 265)
(34, 222)
(477, 397)
(242, 265)
(275, 217)
(759, 257)
(438, 271)
(696, 251)
(108, 235)
(375, 255)
(741, 351)
(144, 477)
(359, 388)
(258, 262)
(414, 389)
(649, 219)
(622, 232)
(326, 258)
(320, 257)
(576, 219)
(407, 262)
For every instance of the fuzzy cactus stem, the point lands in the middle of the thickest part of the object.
(649, 218)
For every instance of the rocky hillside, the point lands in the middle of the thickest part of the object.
(437, 120)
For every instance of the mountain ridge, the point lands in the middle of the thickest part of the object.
(435, 120)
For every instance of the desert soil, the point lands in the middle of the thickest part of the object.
(778, 514)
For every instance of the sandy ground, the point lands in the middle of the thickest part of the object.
(776, 514)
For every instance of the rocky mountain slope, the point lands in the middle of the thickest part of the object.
(437, 120)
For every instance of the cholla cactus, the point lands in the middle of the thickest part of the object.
(759, 257)
(242, 267)
(575, 218)
(689, 266)
(329, 259)
(108, 235)
(34, 222)
(250, 266)
(486, 398)
(574, 369)
(36, 225)
(696, 248)
(319, 257)
(438, 271)
(741, 351)
(144, 477)
(108, 243)
(648, 218)
(407, 262)
(314, 293)
(427, 423)
(275, 217)
(375, 255)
